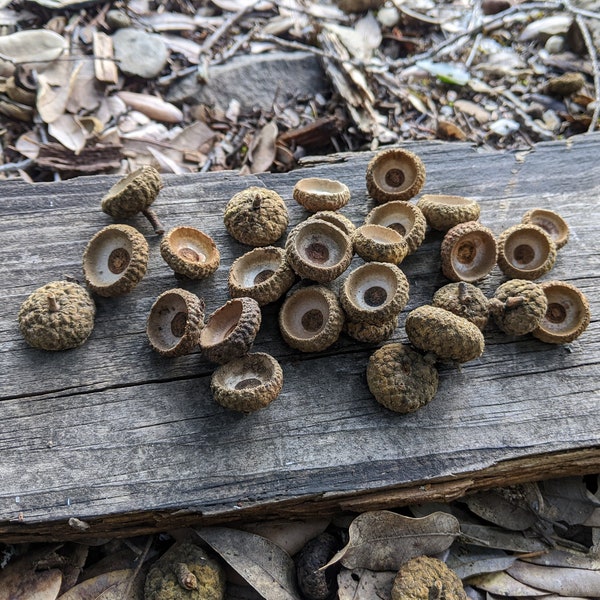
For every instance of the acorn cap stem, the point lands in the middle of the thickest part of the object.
(154, 221)
(53, 304)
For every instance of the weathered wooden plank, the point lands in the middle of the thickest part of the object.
(130, 441)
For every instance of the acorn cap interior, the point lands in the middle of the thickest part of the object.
(552, 223)
(371, 286)
(447, 200)
(191, 244)
(473, 255)
(527, 248)
(566, 309)
(250, 371)
(167, 321)
(381, 234)
(395, 172)
(396, 215)
(107, 257)
(320, 187)
(305, 313)
(256, 266)
(221, 323)
(321, 244)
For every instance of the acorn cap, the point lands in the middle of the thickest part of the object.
(405, 218)
(567, 315)
(469, 252)
(465, 300)
(316, 194)
(248, 383)
(394, 174)
(551, 222)
(318, 250)
(448, 336)
(518, 306)
(174, 322)
(401, 379)
(311, 318)
(525, 251)
(115, 260)
(369, 333)
(230, 330)
(336, 218)
(256, 216)
(379, 243)
(57, 316)
(420, 579)
(374, 293)
(444, 212)
(190, 252)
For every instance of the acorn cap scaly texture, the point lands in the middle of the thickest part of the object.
(379, 243)
(256, 216)
(448, 336)
(316, 194)
(444, 211)
(369, 333)
(57, 316)
(465, 300)
(551, 222)
(190, 252)
(405, 218)
(336, 218)
(248, 383)
(401, 379)
(518, 306)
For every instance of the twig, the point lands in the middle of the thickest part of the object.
(212, 39)
(589, 44)
(294, 45)
(140, 561)
(23, 164)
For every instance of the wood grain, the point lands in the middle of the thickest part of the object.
(128, 441)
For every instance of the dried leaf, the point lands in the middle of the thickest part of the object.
(190, 49)
(493, 537)
(262, 149)
(237, 5)
(19, 581)
(52, 97)
(362, 584)
(497, 507)
(84, 94)
(568, 500)
(69, 132)
(559, 580)
(467, 561)
(504, 585)
(480, 114)
(30, 46)
(29, 144)
(504, 127)
(152, 107)
(554, 25)
(446, 72)
(167, 164)
(263, 564)
(384, 540)
(108, 586)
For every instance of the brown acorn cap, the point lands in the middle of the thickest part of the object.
(401, 379)
(465, 300)
(469, 252)
(567, 315)
(551, 222)
(174, 322)
(404, 217)
(190, 252)
(525, 251)
(316, 194)
(379, 243)
(115, 260)
(256, 216)
(262, 274)
(369, 333)
(447, 335)
(318, 250)
(444, 212)
(57, 316)
(518, 306)
(230, 330)
(311, 318)
(394, 174)
(248, 383)
(133, 194)
(374, 292)
(336, 218)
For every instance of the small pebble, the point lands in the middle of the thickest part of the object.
(139, 53)
(565, 85)
(555, 44)
(117, 19)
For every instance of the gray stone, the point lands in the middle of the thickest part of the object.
(139, 53)
(256, 81)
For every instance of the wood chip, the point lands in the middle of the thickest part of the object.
(104, 63)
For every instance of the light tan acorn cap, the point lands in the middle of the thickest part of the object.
(379, 243)
(115, 260)
(230, 330)
(256, 216)
(394, 174)
(469, 252)
(262, 274)
(448, 336)
(57, 316)
(318, 250)
(336, 218)
(374, 293)
(567, 315)
(311, 319)
(401, 379)
(248, 383)
(551, 222)
(465, 300)
(317, 194)
(405, 218)
(190, 252)
(518, 306)
(174, 322)
(525, 251)
(369, 333)
(444, 212)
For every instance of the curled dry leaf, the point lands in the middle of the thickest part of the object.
(69, 132)
(19, 581)
(152, 107)
(494, 537)
(262, 149)
(115, 585)
(30, 46)
(52, 99)
(383, 540)
(504, 585)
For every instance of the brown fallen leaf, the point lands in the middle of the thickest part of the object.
(501, 508)
(559, 580)
(261, 152)
(152, 107)
(19, 581)
(115, 585)
(52, 98)
(384, 540)
(362, 584)
(504, 585)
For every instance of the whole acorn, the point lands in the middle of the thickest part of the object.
(256, 216)
(57, 316)
(465, 300)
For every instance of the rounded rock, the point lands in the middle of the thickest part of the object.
(444, 212)
(380, 244)
(57, 316)
(465, 300)
(139, 53)
(518, 306)
(405, 218)
(315, 583)
(190, 252)
(401, 379)
(551, 222)
(317, 194)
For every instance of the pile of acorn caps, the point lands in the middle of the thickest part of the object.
(317, 251)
